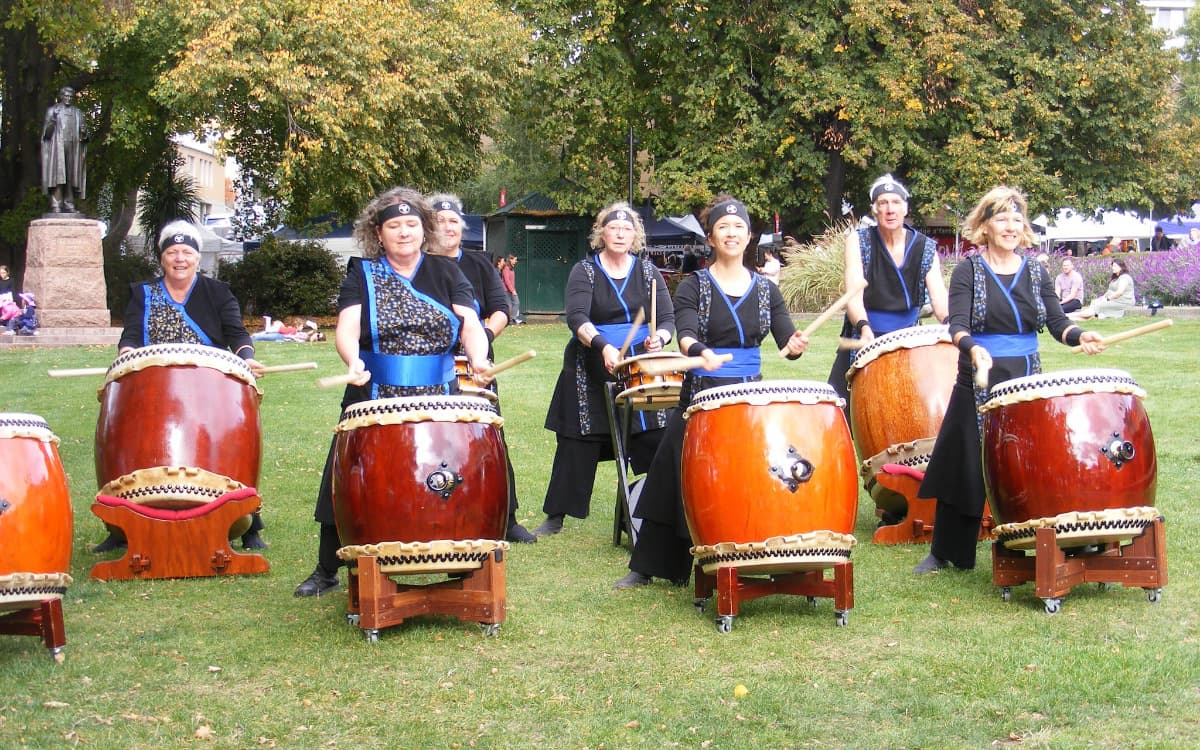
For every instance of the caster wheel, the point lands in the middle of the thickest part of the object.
(1053, 605)
(372, 635)
(812, 601)
(724, 623)
(1154, 596)
(1006, 593)
(489, 629)
(701, 605)
(352, 619)
(58, 654)
(1103, 586)
(841, 618)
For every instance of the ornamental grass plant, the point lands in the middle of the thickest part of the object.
(932, 662)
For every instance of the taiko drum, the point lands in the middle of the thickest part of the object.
(35, 512)
(420, 469)
(767, 459)
(900, 385)
(466, 383)
(1069, 441)
(179, 405)
(642, 390)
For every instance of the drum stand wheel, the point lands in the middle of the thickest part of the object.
(1141, 563)
(44, 619)
(733, 589)
(376, 601)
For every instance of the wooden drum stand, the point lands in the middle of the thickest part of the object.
(42, 618)
(733, 589)
(917, 525)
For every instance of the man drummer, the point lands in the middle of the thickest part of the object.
(901, 268)
(491, 303)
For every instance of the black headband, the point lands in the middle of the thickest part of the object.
(999, 208)
(621, 214)
(179, 238)
(448, 206)
(888, 186)
(727, 208)
(403, 208)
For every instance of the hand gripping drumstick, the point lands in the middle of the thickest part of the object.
(637, 323)
(1131, 333)
(656, 367)
(830, 311)
(80, 372)
(513, 362)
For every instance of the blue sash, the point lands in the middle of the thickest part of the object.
(886, 321)
(745, 363)
(615, 333)
(1008, 344)
(409, 370)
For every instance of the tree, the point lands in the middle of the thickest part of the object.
(797, 107)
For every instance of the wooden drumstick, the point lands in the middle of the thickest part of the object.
(513, 362)
(1131, 333)
(637, 323)
(852, 345)
(656, 367)
(653, 308)
(290, 368)
(77, 373)
(335, 380)
(829, 312)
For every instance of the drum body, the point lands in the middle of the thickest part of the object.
(36, 522)
(1067, 442)
(466, 384)
(767, 459)
(641, 390)
(900, 386)
(420, 469)
(179, 405)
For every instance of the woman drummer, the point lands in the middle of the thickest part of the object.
(604, 294)
(183, 307)
(999, 300)
(902, 271)
(401, 314)
(723, 309)
(491, 304)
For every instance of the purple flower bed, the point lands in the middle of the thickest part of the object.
(1171, 278)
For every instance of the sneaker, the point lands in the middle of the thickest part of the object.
(552, 525)
(929, 565)
(318, 583)
(111, 543)
(519, 534)
(251, 540)
(632, 580)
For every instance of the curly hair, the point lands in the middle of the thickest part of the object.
(366, 225)
(596, 240)
(997, 200)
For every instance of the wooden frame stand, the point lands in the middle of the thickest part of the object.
(178, 544)
(377, 601)
(733, 589)
(44, 619)
(1142, 563)
(917, 525)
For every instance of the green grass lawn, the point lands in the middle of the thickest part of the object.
(932, 662)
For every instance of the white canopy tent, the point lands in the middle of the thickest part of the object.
(1069, 226)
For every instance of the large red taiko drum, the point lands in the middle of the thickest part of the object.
(35, 513)
(420, 469)
(178, 405)
(768, 476)
(1071, 449)
(900, 385)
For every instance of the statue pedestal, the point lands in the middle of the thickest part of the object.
(64, 268)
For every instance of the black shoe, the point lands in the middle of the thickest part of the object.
(318, 583)
(519, 534)
(111, 543)
(929, 565)
(552, 525)
(632, 580)
(251, 540)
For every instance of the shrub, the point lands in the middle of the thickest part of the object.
(125, 269)
(285, 278)
(812, 275)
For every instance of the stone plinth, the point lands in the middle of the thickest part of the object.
(64, 268)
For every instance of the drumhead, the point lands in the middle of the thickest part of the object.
(173, 355)
(17, 424)
(1061, 383)
(905, 338)
(420, 409)
(765, 392)
(629, 361)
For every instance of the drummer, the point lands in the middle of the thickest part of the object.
(183, 307)
(901, 268)
(999, 300)
(603, 296)
(722, 309)
(401, 313)
(491, 303)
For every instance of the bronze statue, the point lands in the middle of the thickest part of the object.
(64, 148)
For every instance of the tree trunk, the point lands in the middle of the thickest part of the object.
(124, 211)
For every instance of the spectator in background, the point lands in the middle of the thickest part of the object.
(508, 276)
(1193, 240)
(1068, 285)
(771, 266)
(1160, 241)
(1118, 298)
